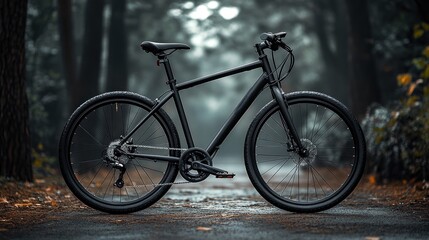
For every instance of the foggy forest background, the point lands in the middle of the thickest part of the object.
(371, 55)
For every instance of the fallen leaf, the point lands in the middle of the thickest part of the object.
(54, 203)
(372, 238)
(204, 229)
(372, 179)
(22, 204)
(3, 200)
(39, 181)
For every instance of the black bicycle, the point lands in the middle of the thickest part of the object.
(304, 152)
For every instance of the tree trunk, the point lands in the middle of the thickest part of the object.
(15, 147)
(117, 72)
(65, 24)
(332, 49)
(364, 88)
(90, 64)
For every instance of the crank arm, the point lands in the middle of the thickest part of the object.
(208, 169)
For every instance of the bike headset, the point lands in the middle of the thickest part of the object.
(273, 41)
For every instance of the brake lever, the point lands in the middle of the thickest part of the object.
(285, 46)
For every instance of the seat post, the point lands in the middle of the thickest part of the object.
(164, 60)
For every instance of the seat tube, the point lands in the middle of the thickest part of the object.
(177, 100)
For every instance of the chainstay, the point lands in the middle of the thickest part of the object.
(160, 148)
(157, 185)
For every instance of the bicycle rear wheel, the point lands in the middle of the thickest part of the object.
(84, 153)
(336, 158)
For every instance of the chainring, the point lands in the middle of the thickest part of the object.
(185, 164)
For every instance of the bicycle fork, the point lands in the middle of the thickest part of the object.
(286, 118)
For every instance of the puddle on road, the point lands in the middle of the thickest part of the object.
(232, 200)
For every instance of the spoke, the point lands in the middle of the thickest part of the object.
(122, 119)
(87, 144)
(276, 132)
(322, 178)
(134, 118)
(284, 177)
(327, 130)
(102, 183)
(270, 168)
(140, 175)
(291, 179)
(155, 170)
(107, 124)
(271, 160)
(87, 161)
(267, 155)
(135, 189)
(153, 138)
(319, 124)
(333, 113)
(91, 136)
(150, 125)
(277, 171)
(94, 175)
(263, 139)
(314, 122)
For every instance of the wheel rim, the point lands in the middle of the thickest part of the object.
(321, 176)
(95, 130)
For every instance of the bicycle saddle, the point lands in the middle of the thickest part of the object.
(158, 48)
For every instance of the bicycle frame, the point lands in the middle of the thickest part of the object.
(238, 112)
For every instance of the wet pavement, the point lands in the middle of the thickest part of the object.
(231, 209)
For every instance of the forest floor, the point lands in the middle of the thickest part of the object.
(46, 209)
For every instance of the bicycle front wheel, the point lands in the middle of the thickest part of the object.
(327, 175)
(87, 158)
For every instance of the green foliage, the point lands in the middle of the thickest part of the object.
(398, 136)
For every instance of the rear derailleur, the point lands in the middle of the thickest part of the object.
(117, 157)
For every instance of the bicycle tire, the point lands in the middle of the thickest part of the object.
(266, 147)
(100, 121)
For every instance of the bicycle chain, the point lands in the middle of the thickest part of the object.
(159, 184)
(154, 147)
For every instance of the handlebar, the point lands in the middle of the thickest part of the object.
(272, 36)
(274, 41)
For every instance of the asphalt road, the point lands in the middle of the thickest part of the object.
(232, 209)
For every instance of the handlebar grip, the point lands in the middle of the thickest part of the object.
(267, 36)
(281, 34)
(272, 36)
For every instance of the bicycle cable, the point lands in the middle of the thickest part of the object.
(281, 66)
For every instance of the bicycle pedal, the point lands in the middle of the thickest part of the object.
(225, 175)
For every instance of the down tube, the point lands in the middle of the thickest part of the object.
(237, 114)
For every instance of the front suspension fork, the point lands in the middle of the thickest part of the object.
(281, 101)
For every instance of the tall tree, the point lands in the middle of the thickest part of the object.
(332, 37)
(90, 65)
(65, 24)
(117, 71)
(362, 77)
(85, 83)
(15, 148)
